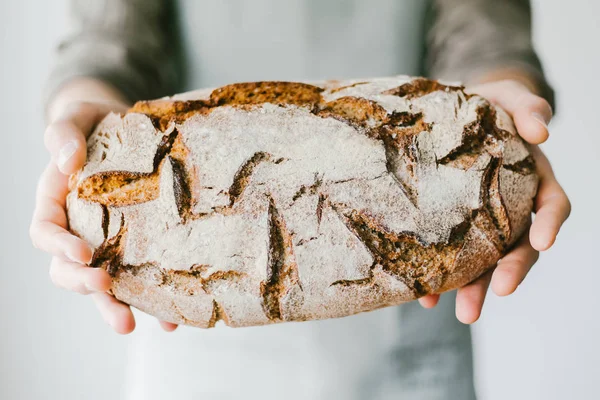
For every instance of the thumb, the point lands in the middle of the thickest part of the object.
(65, 137)
(531, 113)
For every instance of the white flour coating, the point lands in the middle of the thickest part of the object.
(446, 133)
(112, 146)
(311, 170)
(114, 221)
(85, 219)
(222, 141)
(514, 148)
(155, 232)
(518, 194)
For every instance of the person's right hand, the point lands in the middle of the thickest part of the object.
(65, 139)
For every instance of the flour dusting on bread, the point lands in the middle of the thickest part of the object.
(267, 202)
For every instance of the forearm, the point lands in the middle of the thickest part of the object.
(116, 49)
(82, 90)
(477, 41)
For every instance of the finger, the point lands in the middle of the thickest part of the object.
(65, 138)
(52, 184)
(116, 314)
(514, 267)
(552, 205)
(167, 326)
(86, 115)
(429, 301)
(67, 145)
(531, 113)
(59, 242)
(78, 277)
(470, 298)
(48, 226)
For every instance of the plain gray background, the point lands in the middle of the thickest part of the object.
(540, 343)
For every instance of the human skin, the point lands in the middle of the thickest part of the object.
(516, 92)
(83, 102)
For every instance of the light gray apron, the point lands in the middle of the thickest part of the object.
(403, 352)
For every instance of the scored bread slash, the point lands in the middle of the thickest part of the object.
(269, 202)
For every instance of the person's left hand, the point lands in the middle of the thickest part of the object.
(531, 115)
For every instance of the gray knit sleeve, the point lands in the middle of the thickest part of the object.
(467, 38)
(127, 43)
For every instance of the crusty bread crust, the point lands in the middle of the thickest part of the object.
(266, 202)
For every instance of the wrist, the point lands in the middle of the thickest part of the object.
(511, 74)
(83, 90)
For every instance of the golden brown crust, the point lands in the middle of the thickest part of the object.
(421, 267)
(280, 93)
(355, 110)
(123, 188)
(163, 112)
(420, 87)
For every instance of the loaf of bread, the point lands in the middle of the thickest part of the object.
(267, 202)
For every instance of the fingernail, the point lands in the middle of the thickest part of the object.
(79, 260)
(66, 152)
(541, 119)
(89, 259)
